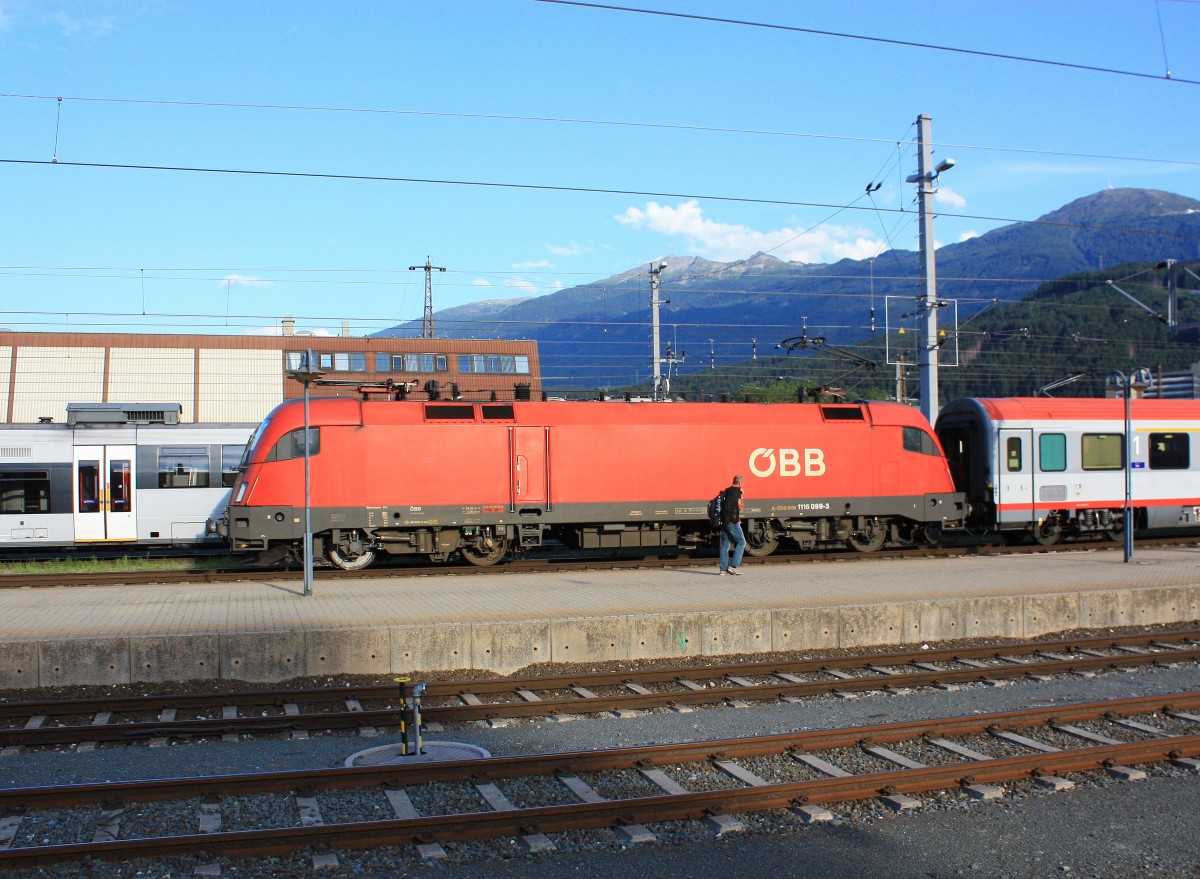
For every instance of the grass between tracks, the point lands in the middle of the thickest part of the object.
(116, 564)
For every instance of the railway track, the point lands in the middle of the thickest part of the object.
(159, 719)
(562, 564)
(631, 793)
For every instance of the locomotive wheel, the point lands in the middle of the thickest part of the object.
(348, 561)
(485, 555)
(870, 538)
(1048, 532)
(761, 539)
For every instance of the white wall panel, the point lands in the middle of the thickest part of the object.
(153, 375)
(48, 379)
(5, 375)
(239, 385)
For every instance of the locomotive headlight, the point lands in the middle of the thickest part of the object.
(279, 517)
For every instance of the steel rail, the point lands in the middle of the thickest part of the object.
(20, 799)
(1041, 665)
(691, 805)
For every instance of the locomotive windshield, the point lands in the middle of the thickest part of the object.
(253, 443)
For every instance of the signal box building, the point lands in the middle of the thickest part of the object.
(218, 378)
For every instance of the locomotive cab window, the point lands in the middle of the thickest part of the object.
(291, 445)
(1103, 451)
(1013, 455)
(183, 467)
(1052, 452)
(917, 440)
(1169, 451)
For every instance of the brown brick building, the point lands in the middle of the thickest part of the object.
(241, 378)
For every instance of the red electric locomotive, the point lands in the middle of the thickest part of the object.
(490, 480)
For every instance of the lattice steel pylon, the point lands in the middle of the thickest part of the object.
(427, 323)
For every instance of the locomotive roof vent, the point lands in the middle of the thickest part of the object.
(123, 413)
(842, 413)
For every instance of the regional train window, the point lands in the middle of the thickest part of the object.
(183, 467)
(1052, 452)
(231, 463)
(89, 486)
(1103, 451)
(291, 445)
(1013, 454)
(1169, 451)
(24, 492)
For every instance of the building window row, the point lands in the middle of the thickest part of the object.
(356, 361)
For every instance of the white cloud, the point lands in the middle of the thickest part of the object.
(521, 286)
(72, 25)
(536, 264)
(968, 235)
(481, 282)
(571, 249)
(730, 241)
(243, 281)
(950, 198)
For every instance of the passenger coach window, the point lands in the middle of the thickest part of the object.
(1169, 451)
(291, 445)
(183, 467)
(1052, 452)
(24, 492)
(1103, 451)
(1013, 454)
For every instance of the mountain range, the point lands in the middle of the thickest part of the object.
(598, 335)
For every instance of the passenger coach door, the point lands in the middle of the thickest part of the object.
(1014, 486)
(530, 457)
(104, 493)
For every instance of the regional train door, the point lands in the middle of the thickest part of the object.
(1014, 486)
(104, 493)
(530, 463)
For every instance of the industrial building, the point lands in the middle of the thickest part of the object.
(226, 378)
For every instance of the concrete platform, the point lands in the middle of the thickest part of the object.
(264, 630)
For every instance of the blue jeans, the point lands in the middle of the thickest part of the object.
(732, 531)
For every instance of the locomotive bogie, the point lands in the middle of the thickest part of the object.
(489, 481)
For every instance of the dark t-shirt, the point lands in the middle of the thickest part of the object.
(730, 504)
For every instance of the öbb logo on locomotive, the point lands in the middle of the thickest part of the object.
(788, 463)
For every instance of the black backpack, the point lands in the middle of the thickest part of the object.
(714, 510)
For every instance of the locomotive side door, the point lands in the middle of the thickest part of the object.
(103, 493)
(530, 459)
(1014, 483)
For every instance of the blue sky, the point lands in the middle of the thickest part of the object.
(728, 130)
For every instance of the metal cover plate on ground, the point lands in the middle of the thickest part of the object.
(434, 752)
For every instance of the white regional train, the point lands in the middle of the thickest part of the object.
(1055, 468)
(115, 474)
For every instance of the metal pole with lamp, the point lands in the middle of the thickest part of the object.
(306, 374)
(1137, 380)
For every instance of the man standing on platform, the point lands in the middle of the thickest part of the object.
(731, 528)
